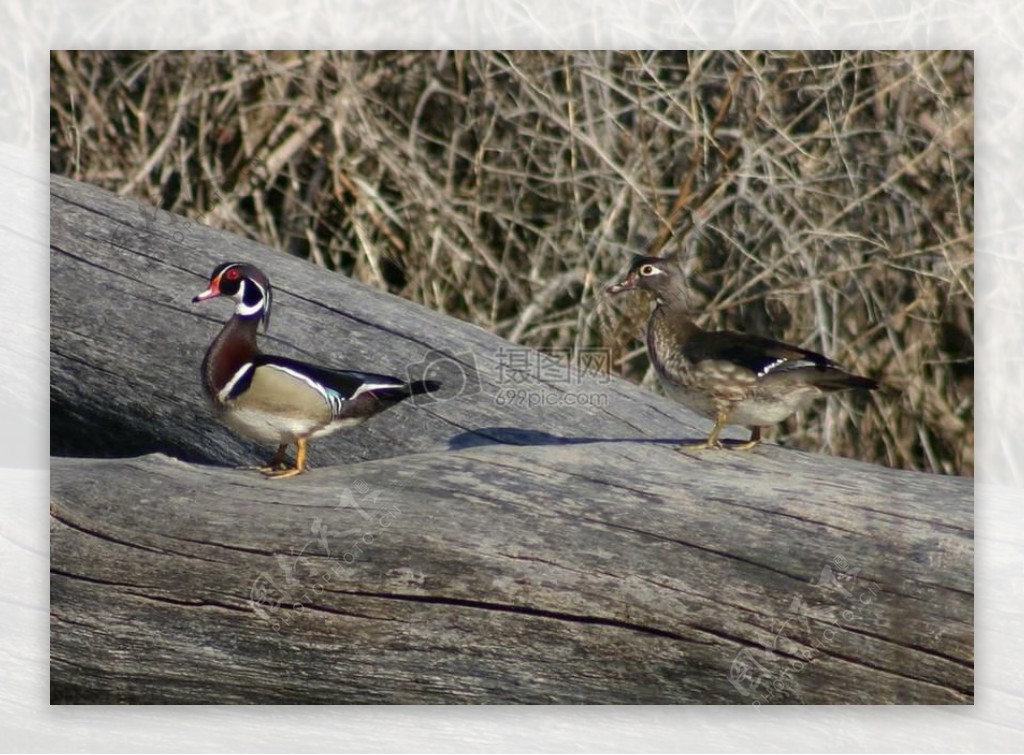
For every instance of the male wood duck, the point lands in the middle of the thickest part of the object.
(731, 378)
(273, 399)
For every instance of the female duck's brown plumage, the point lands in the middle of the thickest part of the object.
(731, 378)
(274, 399)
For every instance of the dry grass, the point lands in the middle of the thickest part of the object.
(825, 198)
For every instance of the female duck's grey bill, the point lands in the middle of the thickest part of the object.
(627, 285)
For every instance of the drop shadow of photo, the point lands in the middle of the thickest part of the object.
(515, 436)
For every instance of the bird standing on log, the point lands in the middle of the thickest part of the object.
(731, 378)
(273, 399)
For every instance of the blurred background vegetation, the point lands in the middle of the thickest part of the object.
(822, 198)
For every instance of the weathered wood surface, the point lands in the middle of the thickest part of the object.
(466, 550)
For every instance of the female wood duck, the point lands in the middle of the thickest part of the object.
(731, 378)
(274, 399)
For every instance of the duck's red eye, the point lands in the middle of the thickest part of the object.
(232, 274)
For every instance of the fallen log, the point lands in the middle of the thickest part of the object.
(503, 544)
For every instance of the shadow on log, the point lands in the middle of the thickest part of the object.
(530, 537)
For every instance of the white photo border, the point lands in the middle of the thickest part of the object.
(995, 30)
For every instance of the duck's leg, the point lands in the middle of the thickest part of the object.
(300, 463)
(755, 438)
(712, 440)
(276, 461)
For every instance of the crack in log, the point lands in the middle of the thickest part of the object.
(863, 663)
(93, 365)
(780, 512)
(114, 219)
(962, 662)
(652, 497)
(952, 528)
(137, 591)
(703, 548)
(90, 263)
(107, 537)
(567, 617)
(370, 324)
(648, 496)
(769, 512)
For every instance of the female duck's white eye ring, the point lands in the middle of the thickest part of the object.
(647, 270)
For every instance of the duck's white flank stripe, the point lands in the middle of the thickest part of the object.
(367, 387)
(770, 366)
(226, 390)
(793, 364)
